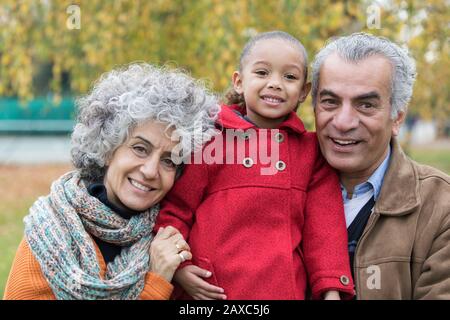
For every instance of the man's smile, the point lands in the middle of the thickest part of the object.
(344, 142)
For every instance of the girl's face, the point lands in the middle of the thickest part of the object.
(272, 81)
(141, 171)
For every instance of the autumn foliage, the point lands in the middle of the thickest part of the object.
(205, 37)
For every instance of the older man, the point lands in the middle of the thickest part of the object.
(397, 211)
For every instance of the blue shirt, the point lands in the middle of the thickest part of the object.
(364, 191)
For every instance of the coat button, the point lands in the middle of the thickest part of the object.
(247, 162)
(345, 280)
(280, 165)
(279, 137)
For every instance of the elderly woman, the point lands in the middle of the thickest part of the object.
(91, 237)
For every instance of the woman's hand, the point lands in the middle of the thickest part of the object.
(167, 250)
(190, 278)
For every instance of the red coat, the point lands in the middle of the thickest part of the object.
(264, 236)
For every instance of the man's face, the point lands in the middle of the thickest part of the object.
(353, 114)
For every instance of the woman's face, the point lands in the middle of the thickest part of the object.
(141, 171)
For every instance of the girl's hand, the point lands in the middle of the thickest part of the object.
(190, 278)
(331, 295)
(167, 250)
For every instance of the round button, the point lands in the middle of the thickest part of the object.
(279, 137)
(280, 165)
(247, 162)
(344, 280)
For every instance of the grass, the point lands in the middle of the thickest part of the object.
(21, 185)
(437, 158)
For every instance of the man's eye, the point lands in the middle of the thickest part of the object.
(366, 105)
(329, 101)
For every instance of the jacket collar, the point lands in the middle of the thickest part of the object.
(228, 119)
(400, 191)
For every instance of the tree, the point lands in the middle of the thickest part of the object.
(205, 37)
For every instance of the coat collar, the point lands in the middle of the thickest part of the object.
(230, 120)
(400, 191)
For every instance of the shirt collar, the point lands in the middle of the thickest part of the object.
(374, 182)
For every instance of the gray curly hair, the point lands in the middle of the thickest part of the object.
(359, 46)
(129, 96)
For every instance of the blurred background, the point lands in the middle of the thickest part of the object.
(52, 51)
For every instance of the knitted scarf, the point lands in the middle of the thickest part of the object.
(57, 230)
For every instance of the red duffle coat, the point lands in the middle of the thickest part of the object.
(264, 236)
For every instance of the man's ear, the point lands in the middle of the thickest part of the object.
(237, 82)
(398, 122)
(305, 91)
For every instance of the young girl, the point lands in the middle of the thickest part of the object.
(254, 235)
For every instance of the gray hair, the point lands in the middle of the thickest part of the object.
(129, 96)
(359, 46)
(281, 35)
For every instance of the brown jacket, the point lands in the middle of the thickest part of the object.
(404, 252)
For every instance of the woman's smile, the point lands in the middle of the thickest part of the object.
(140, 186)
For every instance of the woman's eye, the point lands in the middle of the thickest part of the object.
(140, 150)
(168, 163)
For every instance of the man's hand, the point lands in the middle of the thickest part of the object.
(190, 278)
